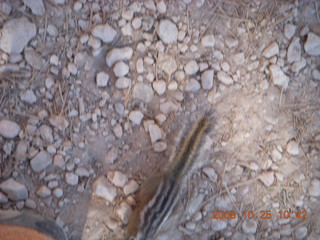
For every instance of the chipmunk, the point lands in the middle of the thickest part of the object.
(160, 194)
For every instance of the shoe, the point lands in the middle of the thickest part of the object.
(16, 225)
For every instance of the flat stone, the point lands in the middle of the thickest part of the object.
(15, 35)
(118, 54)
(142, 92)
(312, 45)
(271, 50)
(121, 69)
(41, 161)
(294, 50)
(104, 32)
(46, 133)
(224, 78)
(102, 79)
(208, 40)
(119, 179)
(60, 122)
(167, 31)
(28, 96)
(136, 117)
(192, 85)
(207, 79)
(314, 188)
(104, 189)
(131, 187)
(267, 178)
(159, 87)
(191, 67)
(278, 77)
(9, 129)
(36, 6)
(289, 30)
(71, 178)
(14, 190)
(155, 132)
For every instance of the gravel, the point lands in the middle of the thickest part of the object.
(167, 31)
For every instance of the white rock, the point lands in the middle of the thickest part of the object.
(121, 69)
(292, 148)
(136, 23)
(267, 178)
(167, 63)
(41, 161)
(102, 188)
(161, 7)
(58, 192)
(314, 188)
(118, 54)
(34, 59)
(102, 79)
(239, 58)
(135, 117)
(72, 68)
(159, 146)
(9, 129)
(95, 43)
(117, 130)
(159, 86)
(36, 6)
(271, 50)
(294, 50)
(104, 32)
(119, 179)
(77, 6)
(316, 74)
(71, 178)
(124, 211)
(28, 96)
(59, 122)
(207, 79)
(231, 42)
(191, 67)
(15, 35)
(130, 187)
(155, 133)
(43, 191)
(278, 77)
(249, 226)
(298, 66)
(46, 133)
(14, 190)
(122, 83)
(224, 78)
(58, 2)
(312, 45)
(142, 92)
(52, 30)
(218, 225)
(149, 4)
(82, 172)
(140, 66)
(127, 15)
(192, 85)
(289, 30)
(167, 31)
(208, 40)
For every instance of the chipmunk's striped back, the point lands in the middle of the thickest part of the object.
(160, 194)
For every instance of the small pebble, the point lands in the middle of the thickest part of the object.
(71, 178)
(43, 191)
(102, 79)
(121, 69)
(119, 179)
(9, 129)
(102, 188)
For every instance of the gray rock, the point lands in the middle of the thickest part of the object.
(9, 129)
(126, 30)
(155, 132)
(21, 151)
(316, 74)
(123, 82)
(231, 42)
(159, 87)
(118, 54)
(278, 77)
(167, 31)
(301, 232)
(36, 6)
(46, 133)
(43, 191)
(294, 50)
(207, 79)
(14, 190)
(104, 32)
(28, 96)
(52, 30)
(102, 79)
(135, 117)
(119, 179)
(142, 92)
(15, 35)
(249, 226)
(130, 187)
(117, 130)
(271, 50)
(224, 78)
(121, 69)
(60, 122)
(314, 188)
(82, 172)
(161, 7)
(58, 192)
(289, 30)
(41, 161)
(312, 45)
(298, 66)
(192, 85)
(111, 156)
(211, 173)
(102, 188)
(208, 40)
(71, 178)
(191, 67)
(159, 146)
(30, 204)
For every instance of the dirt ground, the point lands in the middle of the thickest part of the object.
(94, 96)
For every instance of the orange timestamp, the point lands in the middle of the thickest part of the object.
(263, 214)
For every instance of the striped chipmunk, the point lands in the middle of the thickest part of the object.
(159, 194)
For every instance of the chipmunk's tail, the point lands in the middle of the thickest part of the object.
(190, 146)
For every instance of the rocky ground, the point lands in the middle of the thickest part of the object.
(94, 93)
